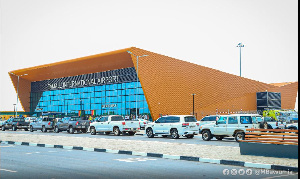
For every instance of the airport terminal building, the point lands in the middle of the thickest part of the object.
(108, 83)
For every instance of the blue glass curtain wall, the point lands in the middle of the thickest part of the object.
(106, 99)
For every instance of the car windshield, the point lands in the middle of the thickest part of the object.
(190, 119)
(117, 118)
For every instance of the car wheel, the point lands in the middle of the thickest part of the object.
(26, 129)
(56, 129)
(3, 128)
(164, 136)
(107, 133)
(116, 131)
(174, 134)
(71, 130)
(31, 129)
(83, 130)
(239, 136)
(206, 135)
(44, 129)
(93, 131)
(190, 136)
(219, 138)
(14, 128)
(149, 133)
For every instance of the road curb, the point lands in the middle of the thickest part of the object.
(166, 156)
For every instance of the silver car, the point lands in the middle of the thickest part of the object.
(43, 124)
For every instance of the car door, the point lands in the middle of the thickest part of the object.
(62, 125)
(232, 124)
(65, 124)
(103, 124)
(8, 123)
(170, 122)
(221, 125)
(158, 128)
(38, 124)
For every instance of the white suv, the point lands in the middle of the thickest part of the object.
(231, 125)
(174, 125)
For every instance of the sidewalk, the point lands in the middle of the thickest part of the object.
(177, 149)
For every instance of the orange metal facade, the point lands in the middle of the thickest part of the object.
(168, 83)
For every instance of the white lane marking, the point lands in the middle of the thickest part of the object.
(134, 159)
(28, 153)
(12, 171)
(52, 151)
(8, 146)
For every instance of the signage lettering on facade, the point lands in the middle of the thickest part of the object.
(85, 80)
(109, 105)
(82, 83)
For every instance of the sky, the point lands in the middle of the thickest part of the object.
(204, 32)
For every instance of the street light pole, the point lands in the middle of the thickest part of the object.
(14, 110)
(18, 91)
(193, 103)
(137, 80)
(240, 45)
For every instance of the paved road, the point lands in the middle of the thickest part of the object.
(196, 140)
(39, 162)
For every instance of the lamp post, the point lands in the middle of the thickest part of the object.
(137, 79)
(193, 103)
(240, 45)
(18, 91)
(14, 110)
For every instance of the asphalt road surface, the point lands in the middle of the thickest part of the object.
(196, 140)
(40, 162)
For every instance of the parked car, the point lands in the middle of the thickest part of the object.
(1, 122)
(72, 124)
(174, 125)
(271, 123)
(14, 124)
(42, 123)
(292, 125)
(30, 119)
(116, 124)
(231, 125)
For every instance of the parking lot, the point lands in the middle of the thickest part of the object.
(138, 137)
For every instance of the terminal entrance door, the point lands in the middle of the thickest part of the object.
(133, 112)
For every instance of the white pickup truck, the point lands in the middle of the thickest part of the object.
(116, 124)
